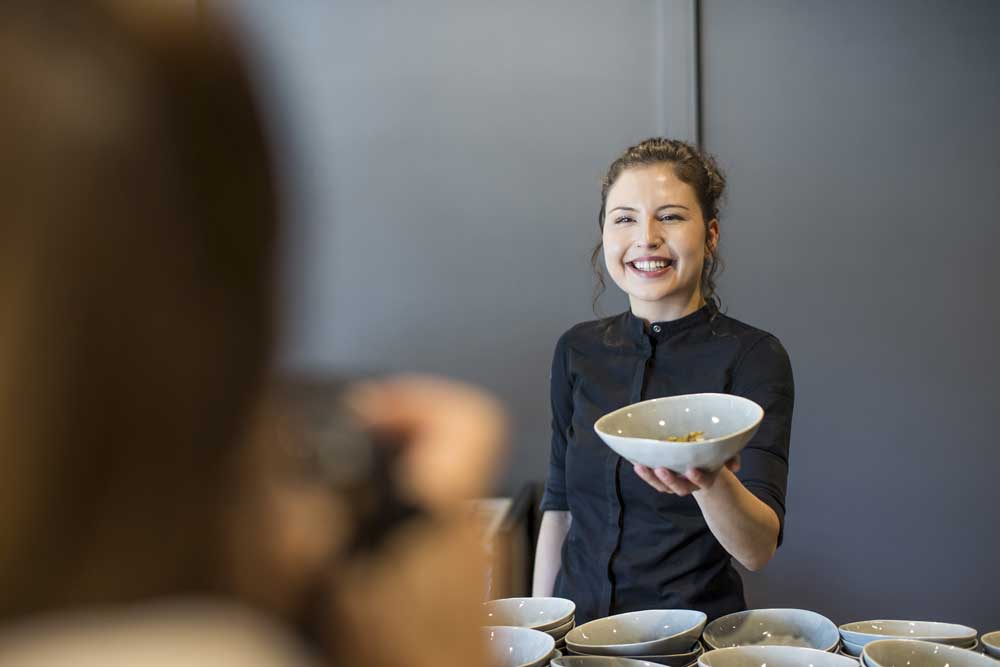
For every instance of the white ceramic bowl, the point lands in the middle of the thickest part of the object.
(686, 659)
(843, 652)
(534, 613)
(560, 632)
(676, 659)
(599, 661)
(991, 642)
(649, 632)
(773, 627)
(773, 656)
(863, 632)
(638, 432)
(914, 652)
(517, 647)
(852, 649)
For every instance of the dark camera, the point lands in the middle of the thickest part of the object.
(331, 445)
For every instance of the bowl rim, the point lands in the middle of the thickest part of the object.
(829, 648)
(767, 647)
(548, 625)
(518, 629)
(994, 638)
(967, 632)
(921, 642)
(612, 657)
(666, 399)
(634, 645)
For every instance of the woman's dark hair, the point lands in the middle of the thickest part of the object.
(137, 223)
(692, 166)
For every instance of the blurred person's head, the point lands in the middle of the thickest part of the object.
(137, 217)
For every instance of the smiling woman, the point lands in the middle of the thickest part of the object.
(617, 537)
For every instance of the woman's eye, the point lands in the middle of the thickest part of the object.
(670, 218)
(622, 219)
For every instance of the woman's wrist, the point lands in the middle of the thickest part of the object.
(721, 487)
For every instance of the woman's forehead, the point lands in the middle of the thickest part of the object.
(648, 184)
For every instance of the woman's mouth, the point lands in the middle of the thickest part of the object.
(650, 267)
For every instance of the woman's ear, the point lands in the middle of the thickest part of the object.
(712, 235)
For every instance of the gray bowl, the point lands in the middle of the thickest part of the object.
(910, 652)
(649, 632)
(852, 649)
(773, 627)
(991, 643)
(863, 632)
(638, 432)
(668, 660)
(534, 613)
(773, 656)
(517, 647)
(599, 661)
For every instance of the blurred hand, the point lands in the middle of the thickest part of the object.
(695, 479)
(451, 434)
(417, 601)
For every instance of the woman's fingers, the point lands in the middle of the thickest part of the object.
(646, 474)
(677, 483)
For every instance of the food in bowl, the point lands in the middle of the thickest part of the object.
(693, 436)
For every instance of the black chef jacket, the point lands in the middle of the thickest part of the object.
(630, 547)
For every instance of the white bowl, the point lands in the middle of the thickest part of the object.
(909, 652)
(774, 656)
(852, 649)
(639, 432)
(991, 642)
(599, 661)
(650, 632)
(842, 651)
(773, 627)
(534, 613)
(863, 632)
(685, 659)
(560, 632)
(676, 659)
(517, 647)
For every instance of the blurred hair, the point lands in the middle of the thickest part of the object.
(137, 225)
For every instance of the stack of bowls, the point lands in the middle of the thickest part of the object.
(991, 644)
(773, 627)
(659, 636)
(919, 653)
(552, 617)
(600, 661)
(859, 634)
(518, 647)
(773, 656)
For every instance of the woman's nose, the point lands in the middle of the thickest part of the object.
(650, 234)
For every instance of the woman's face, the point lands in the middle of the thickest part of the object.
(655, 241)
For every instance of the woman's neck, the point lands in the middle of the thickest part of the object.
(668, 309)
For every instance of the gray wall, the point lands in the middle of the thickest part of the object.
(444, 177)
(443, 160)
(862, 228)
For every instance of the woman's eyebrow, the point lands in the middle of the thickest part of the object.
(672, 206)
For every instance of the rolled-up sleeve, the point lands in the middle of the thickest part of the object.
(764, 375)
(561, 398)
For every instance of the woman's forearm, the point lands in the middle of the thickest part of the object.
(548, 554)
(744, 525)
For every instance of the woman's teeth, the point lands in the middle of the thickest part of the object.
(651, 266)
